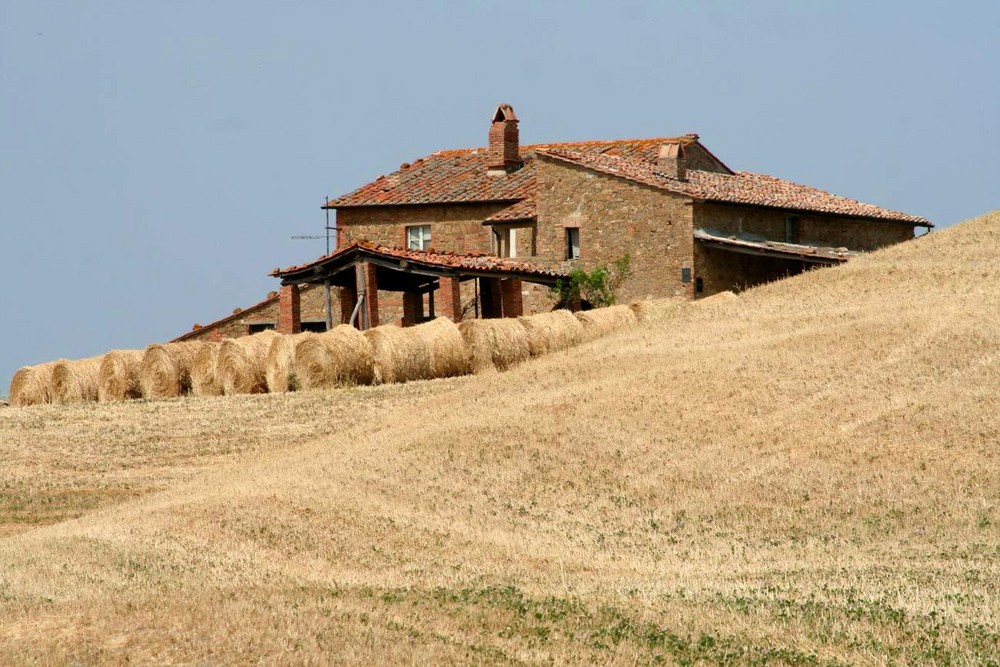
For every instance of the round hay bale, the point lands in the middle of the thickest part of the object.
(243, 362)
(281, 361)
(166, 369)
(30, 385)
(602, 321)
(658, 310)
(205, 371)
(118, 376)
(551, 332)
(75, 381)
(434, 349)
(720, 296)
(496, 343)
(339, 357)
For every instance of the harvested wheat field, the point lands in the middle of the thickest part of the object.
(806, 475)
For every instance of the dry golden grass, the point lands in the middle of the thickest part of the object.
(808, 474)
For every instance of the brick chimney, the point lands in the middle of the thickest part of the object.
(670, 161)
(504, 156)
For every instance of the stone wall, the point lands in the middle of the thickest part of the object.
(813, 230)
(312, 309)
(615, 217)
(454, 227)
(717, 270)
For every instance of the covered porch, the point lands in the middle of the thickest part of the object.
(737, 261)
(361, 270)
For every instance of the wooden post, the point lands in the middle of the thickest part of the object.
(348, 299)
(327, 304)
(367, 286)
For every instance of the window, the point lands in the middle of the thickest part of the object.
(257, 327)
(791, 229)
(316, 326)
(572, 243)
(505, 242)
(418, 238)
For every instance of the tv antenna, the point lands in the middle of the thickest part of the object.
(326, 227)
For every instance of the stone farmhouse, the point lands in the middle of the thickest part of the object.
(484, 232)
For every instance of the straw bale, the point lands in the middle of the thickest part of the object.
(658, 310)
(118, 376)
(242, 363)
(280, 362)
(30, 385)
(205, 371)
(721, 296)
(166, 369)
(551, 332)
(496, 343)
(434, 349)
(75, 381)
(602, 321)
(336, 358)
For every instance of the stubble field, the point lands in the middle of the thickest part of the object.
(809, 474)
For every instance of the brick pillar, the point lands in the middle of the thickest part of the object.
(216, 336)
(489, 297)
(289, 319)
(348, 299)
(451, 298)
(413, 308)
(367, 284)
(510, 296)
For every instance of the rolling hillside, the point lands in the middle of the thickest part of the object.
(809, 474)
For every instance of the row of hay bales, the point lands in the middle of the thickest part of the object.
(272, 362)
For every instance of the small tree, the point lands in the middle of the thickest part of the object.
(597, 287)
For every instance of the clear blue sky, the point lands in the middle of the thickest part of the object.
(155, 158)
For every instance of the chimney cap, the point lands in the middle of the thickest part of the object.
(671, 151)
(504, 112)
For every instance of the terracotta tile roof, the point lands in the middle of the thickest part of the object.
(454, 176)
(522, 210)
(760, 245)
(474, 262)
(740, 188)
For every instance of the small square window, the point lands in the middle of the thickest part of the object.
(418, 237)
(572, 243)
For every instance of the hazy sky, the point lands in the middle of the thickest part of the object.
(156, 157)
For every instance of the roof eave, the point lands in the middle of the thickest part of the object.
(896, 221)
